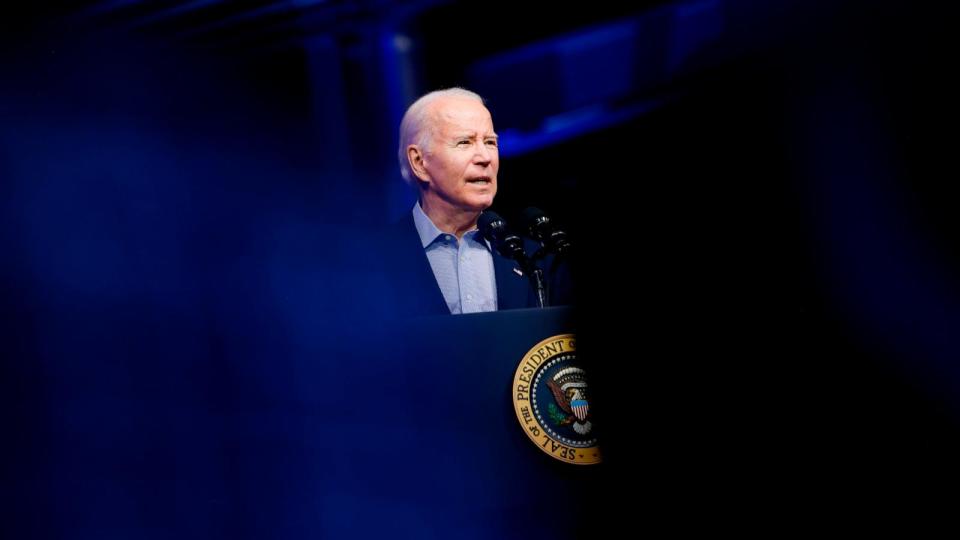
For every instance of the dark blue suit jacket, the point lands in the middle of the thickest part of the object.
(415, 291)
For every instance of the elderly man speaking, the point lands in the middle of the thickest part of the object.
(449, 153)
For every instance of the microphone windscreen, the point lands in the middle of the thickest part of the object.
(489, 223)
(532, 215)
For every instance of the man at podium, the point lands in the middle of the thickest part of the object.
(438, 261)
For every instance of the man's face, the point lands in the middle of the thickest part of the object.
(461, 162)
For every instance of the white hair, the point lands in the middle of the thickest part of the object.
(413, 127)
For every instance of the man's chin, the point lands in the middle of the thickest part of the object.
(479, 208)
(481, 204)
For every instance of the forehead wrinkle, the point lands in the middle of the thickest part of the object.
(443, 122)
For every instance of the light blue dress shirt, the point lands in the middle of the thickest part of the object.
(464, 268)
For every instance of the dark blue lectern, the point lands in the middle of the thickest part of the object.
(438, 448)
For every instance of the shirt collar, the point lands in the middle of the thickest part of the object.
(429, 232)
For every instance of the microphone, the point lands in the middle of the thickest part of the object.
(495, 230)
(540, 228)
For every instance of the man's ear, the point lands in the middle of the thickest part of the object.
(415, 158)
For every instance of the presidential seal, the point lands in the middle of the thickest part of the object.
(552, 401)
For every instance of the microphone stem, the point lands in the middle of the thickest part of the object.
(537, 281)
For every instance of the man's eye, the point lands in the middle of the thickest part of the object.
(462, 142)
(492, 142)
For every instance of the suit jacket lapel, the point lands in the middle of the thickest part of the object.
(427, 296)
(512, 288)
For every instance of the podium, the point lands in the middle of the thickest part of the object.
(442, 450)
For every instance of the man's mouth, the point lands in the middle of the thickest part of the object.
(479, 180)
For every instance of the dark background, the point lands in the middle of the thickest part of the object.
(761, 194)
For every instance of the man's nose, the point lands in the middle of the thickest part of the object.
(483, 154)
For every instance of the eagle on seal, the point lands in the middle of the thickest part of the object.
(569, 388)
